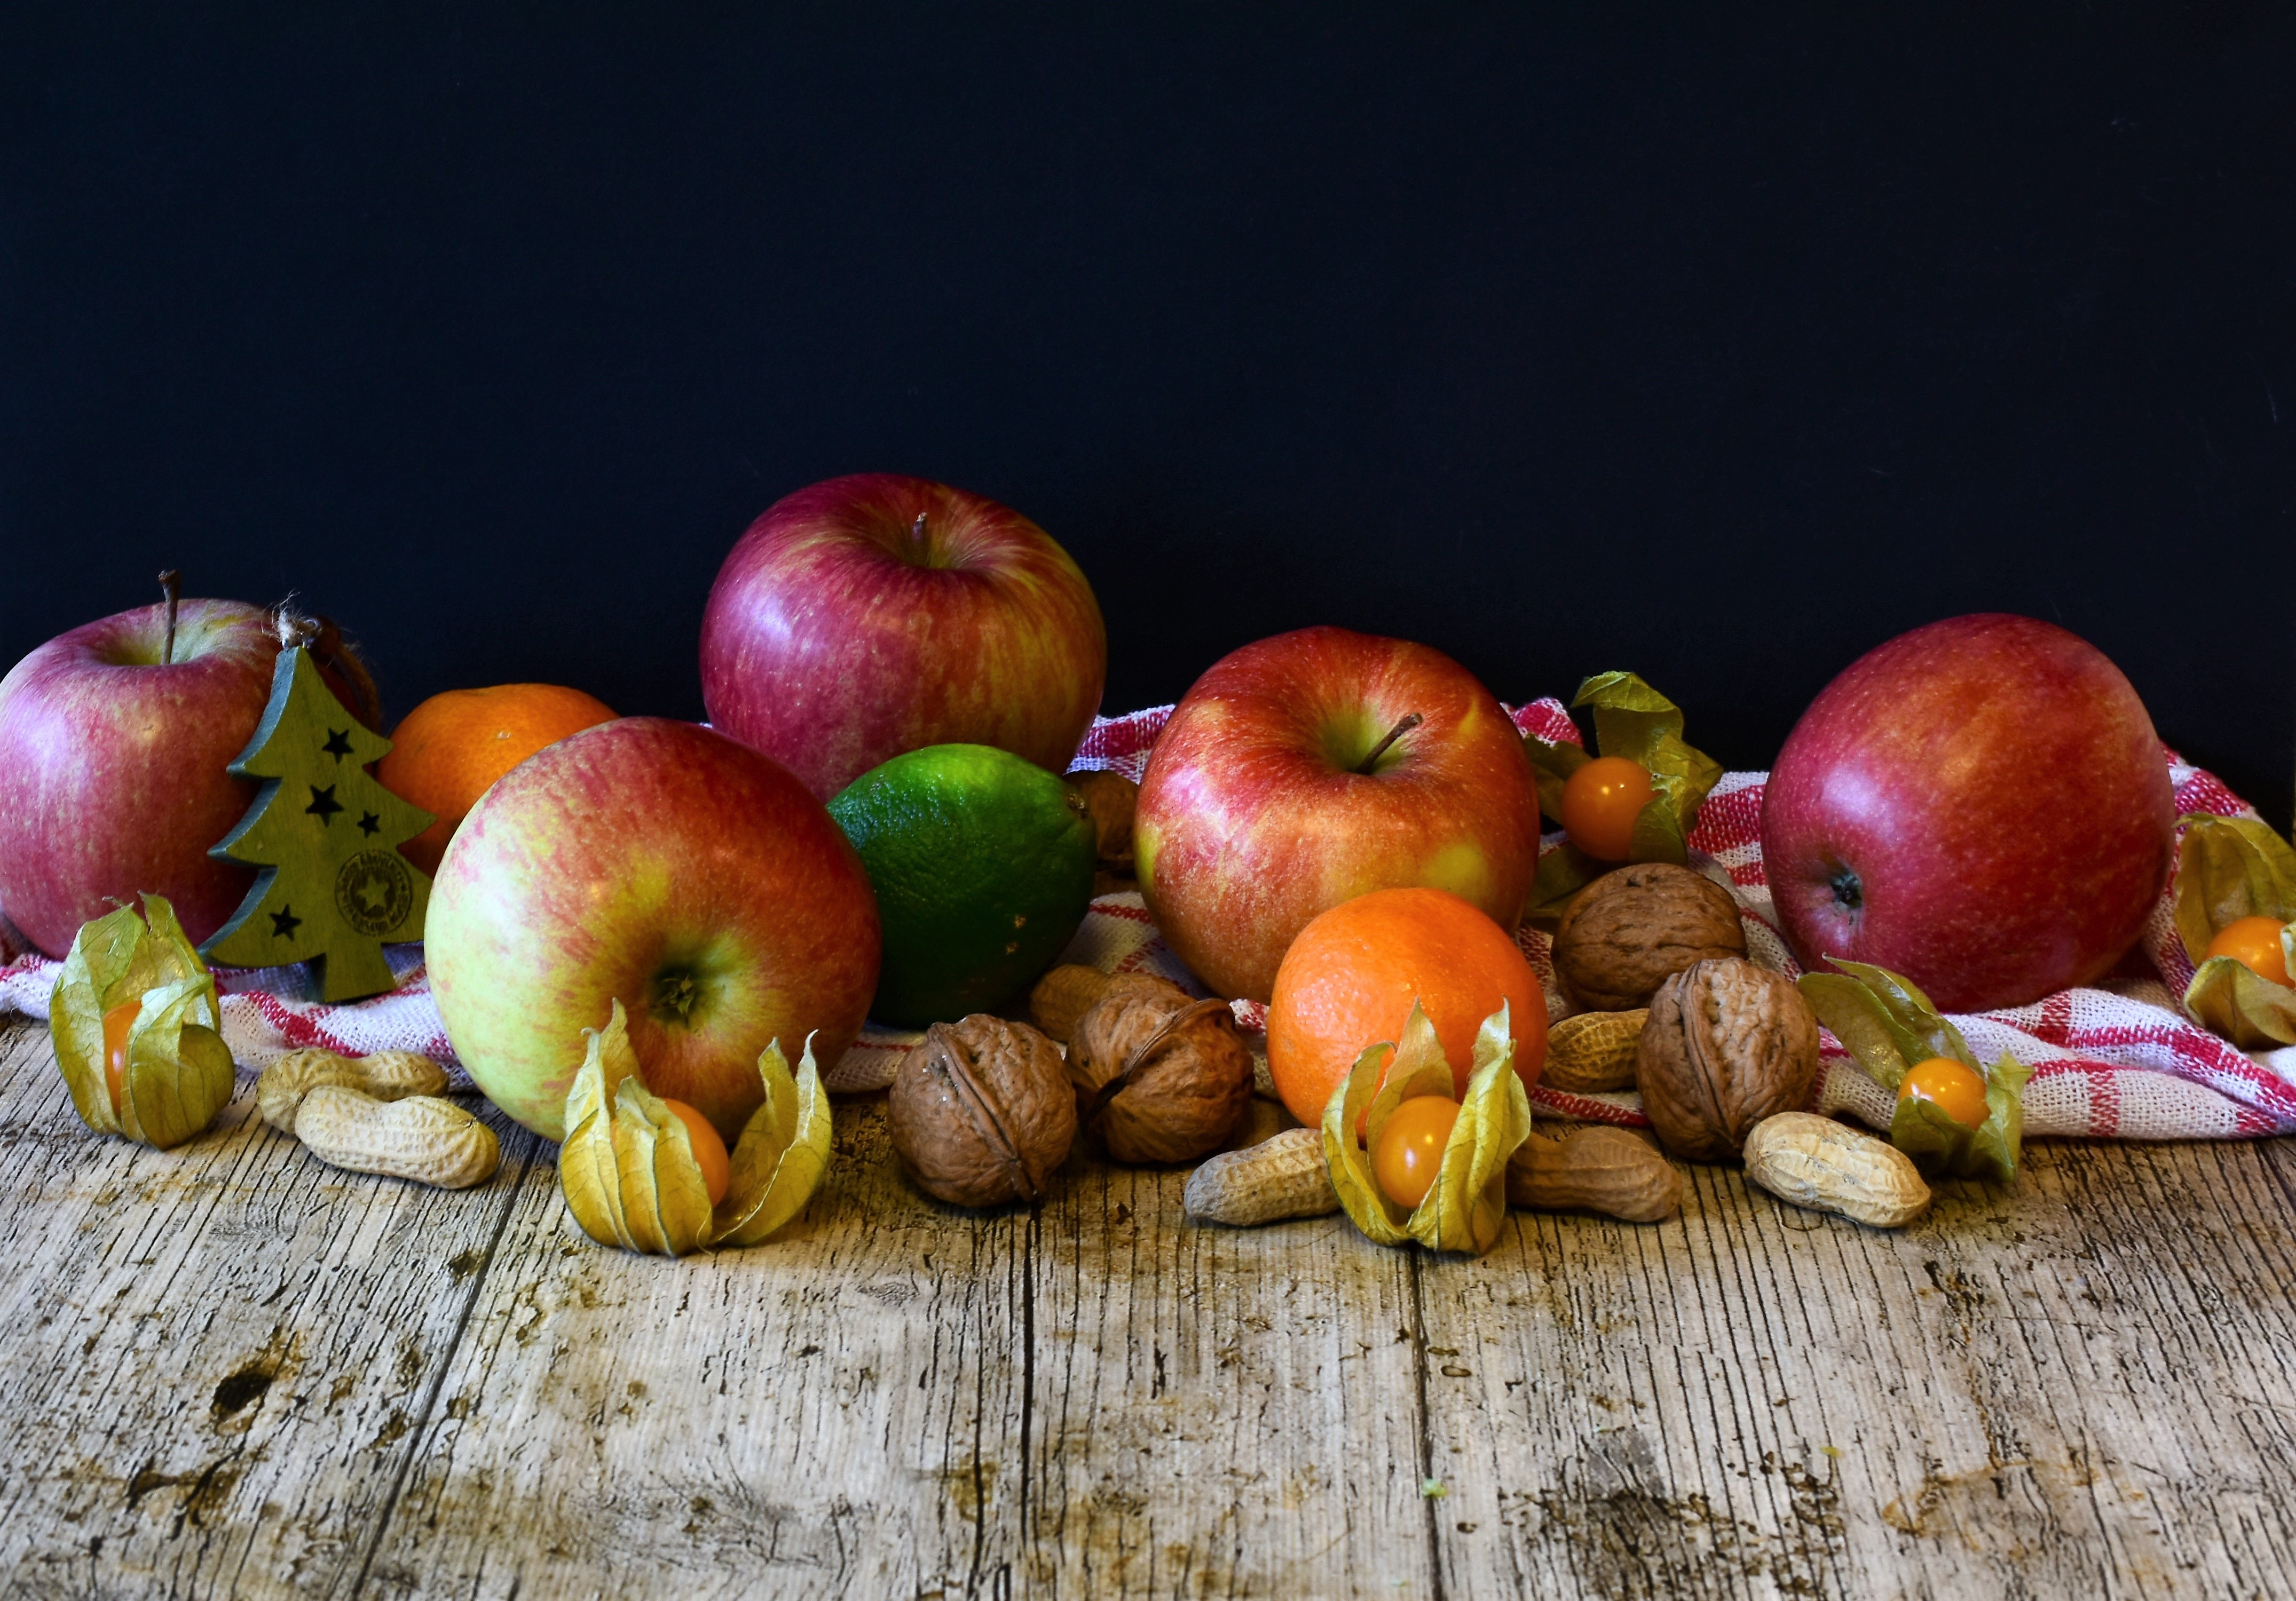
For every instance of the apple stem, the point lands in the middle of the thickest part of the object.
(917, 533)
(1393, 734)
(170, 585)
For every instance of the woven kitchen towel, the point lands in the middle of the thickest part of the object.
(2118, 1061)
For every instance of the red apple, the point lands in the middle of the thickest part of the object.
(1275, 793)
(874, 614)
(112, 777)
(666, 866)
(1981, 804)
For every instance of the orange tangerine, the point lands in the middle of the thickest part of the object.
(1349, 979)
(449, 750)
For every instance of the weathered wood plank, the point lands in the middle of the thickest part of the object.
(2082, 1387)
(215, 1354)
(235, 1371)
(898, 1397)
(1228, 1411)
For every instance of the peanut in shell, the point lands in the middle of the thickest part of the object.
(1814, 1161)
(1593, 1052)
(1282, 1177)
(423, 1138)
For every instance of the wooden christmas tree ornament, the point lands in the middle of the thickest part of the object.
(332, 887)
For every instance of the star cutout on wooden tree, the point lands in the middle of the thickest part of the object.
(323, 804)
(284, 922)
(369, 823)
(338, 742)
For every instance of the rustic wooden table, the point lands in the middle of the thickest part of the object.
(233, 1371)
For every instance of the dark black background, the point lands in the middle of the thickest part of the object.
(1718, 348)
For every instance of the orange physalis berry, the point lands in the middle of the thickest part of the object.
(116, 1022)
(2254, 943)
(1411, 1147)
(708, 1150)
(1600, 804)
(1953, 1088)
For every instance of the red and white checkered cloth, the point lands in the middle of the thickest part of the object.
(2119, 1061)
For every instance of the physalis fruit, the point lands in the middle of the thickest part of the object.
(1600, 804)
(2255, 944)
(1953, 1115)
(118, 1024)
(709, 1149)
(2235, 901)
(138, 1029)
(1612, 814)
(1954, 1088)
(1411, 1147)
(1463, 1206)
(636, 1171)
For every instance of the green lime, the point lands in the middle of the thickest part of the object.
(983, 867)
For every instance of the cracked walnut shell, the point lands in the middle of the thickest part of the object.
(981, 1112)
(1162, 1076)
(1631, 930)
(1727, 1044)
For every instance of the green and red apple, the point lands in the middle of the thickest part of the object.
(1316, 767)
(666, 866)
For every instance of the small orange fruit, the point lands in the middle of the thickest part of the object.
(2254, 943)
(446, 752)
(1600, 804)
(1411, 1147)
(708, 1150)
(1953, 1088)
(116, 1022)
(1349, 979)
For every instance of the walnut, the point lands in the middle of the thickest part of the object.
(1628, 931)
(1727, 1044)
(981, 1112)
(1162, 1076)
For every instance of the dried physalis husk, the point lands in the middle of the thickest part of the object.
(1634, 721)
(1161, 1076)
(1886, 1023)
(2229, 868)
(981, 1112)
(178, 1073)
(628, 1168)
(1465, 1208)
